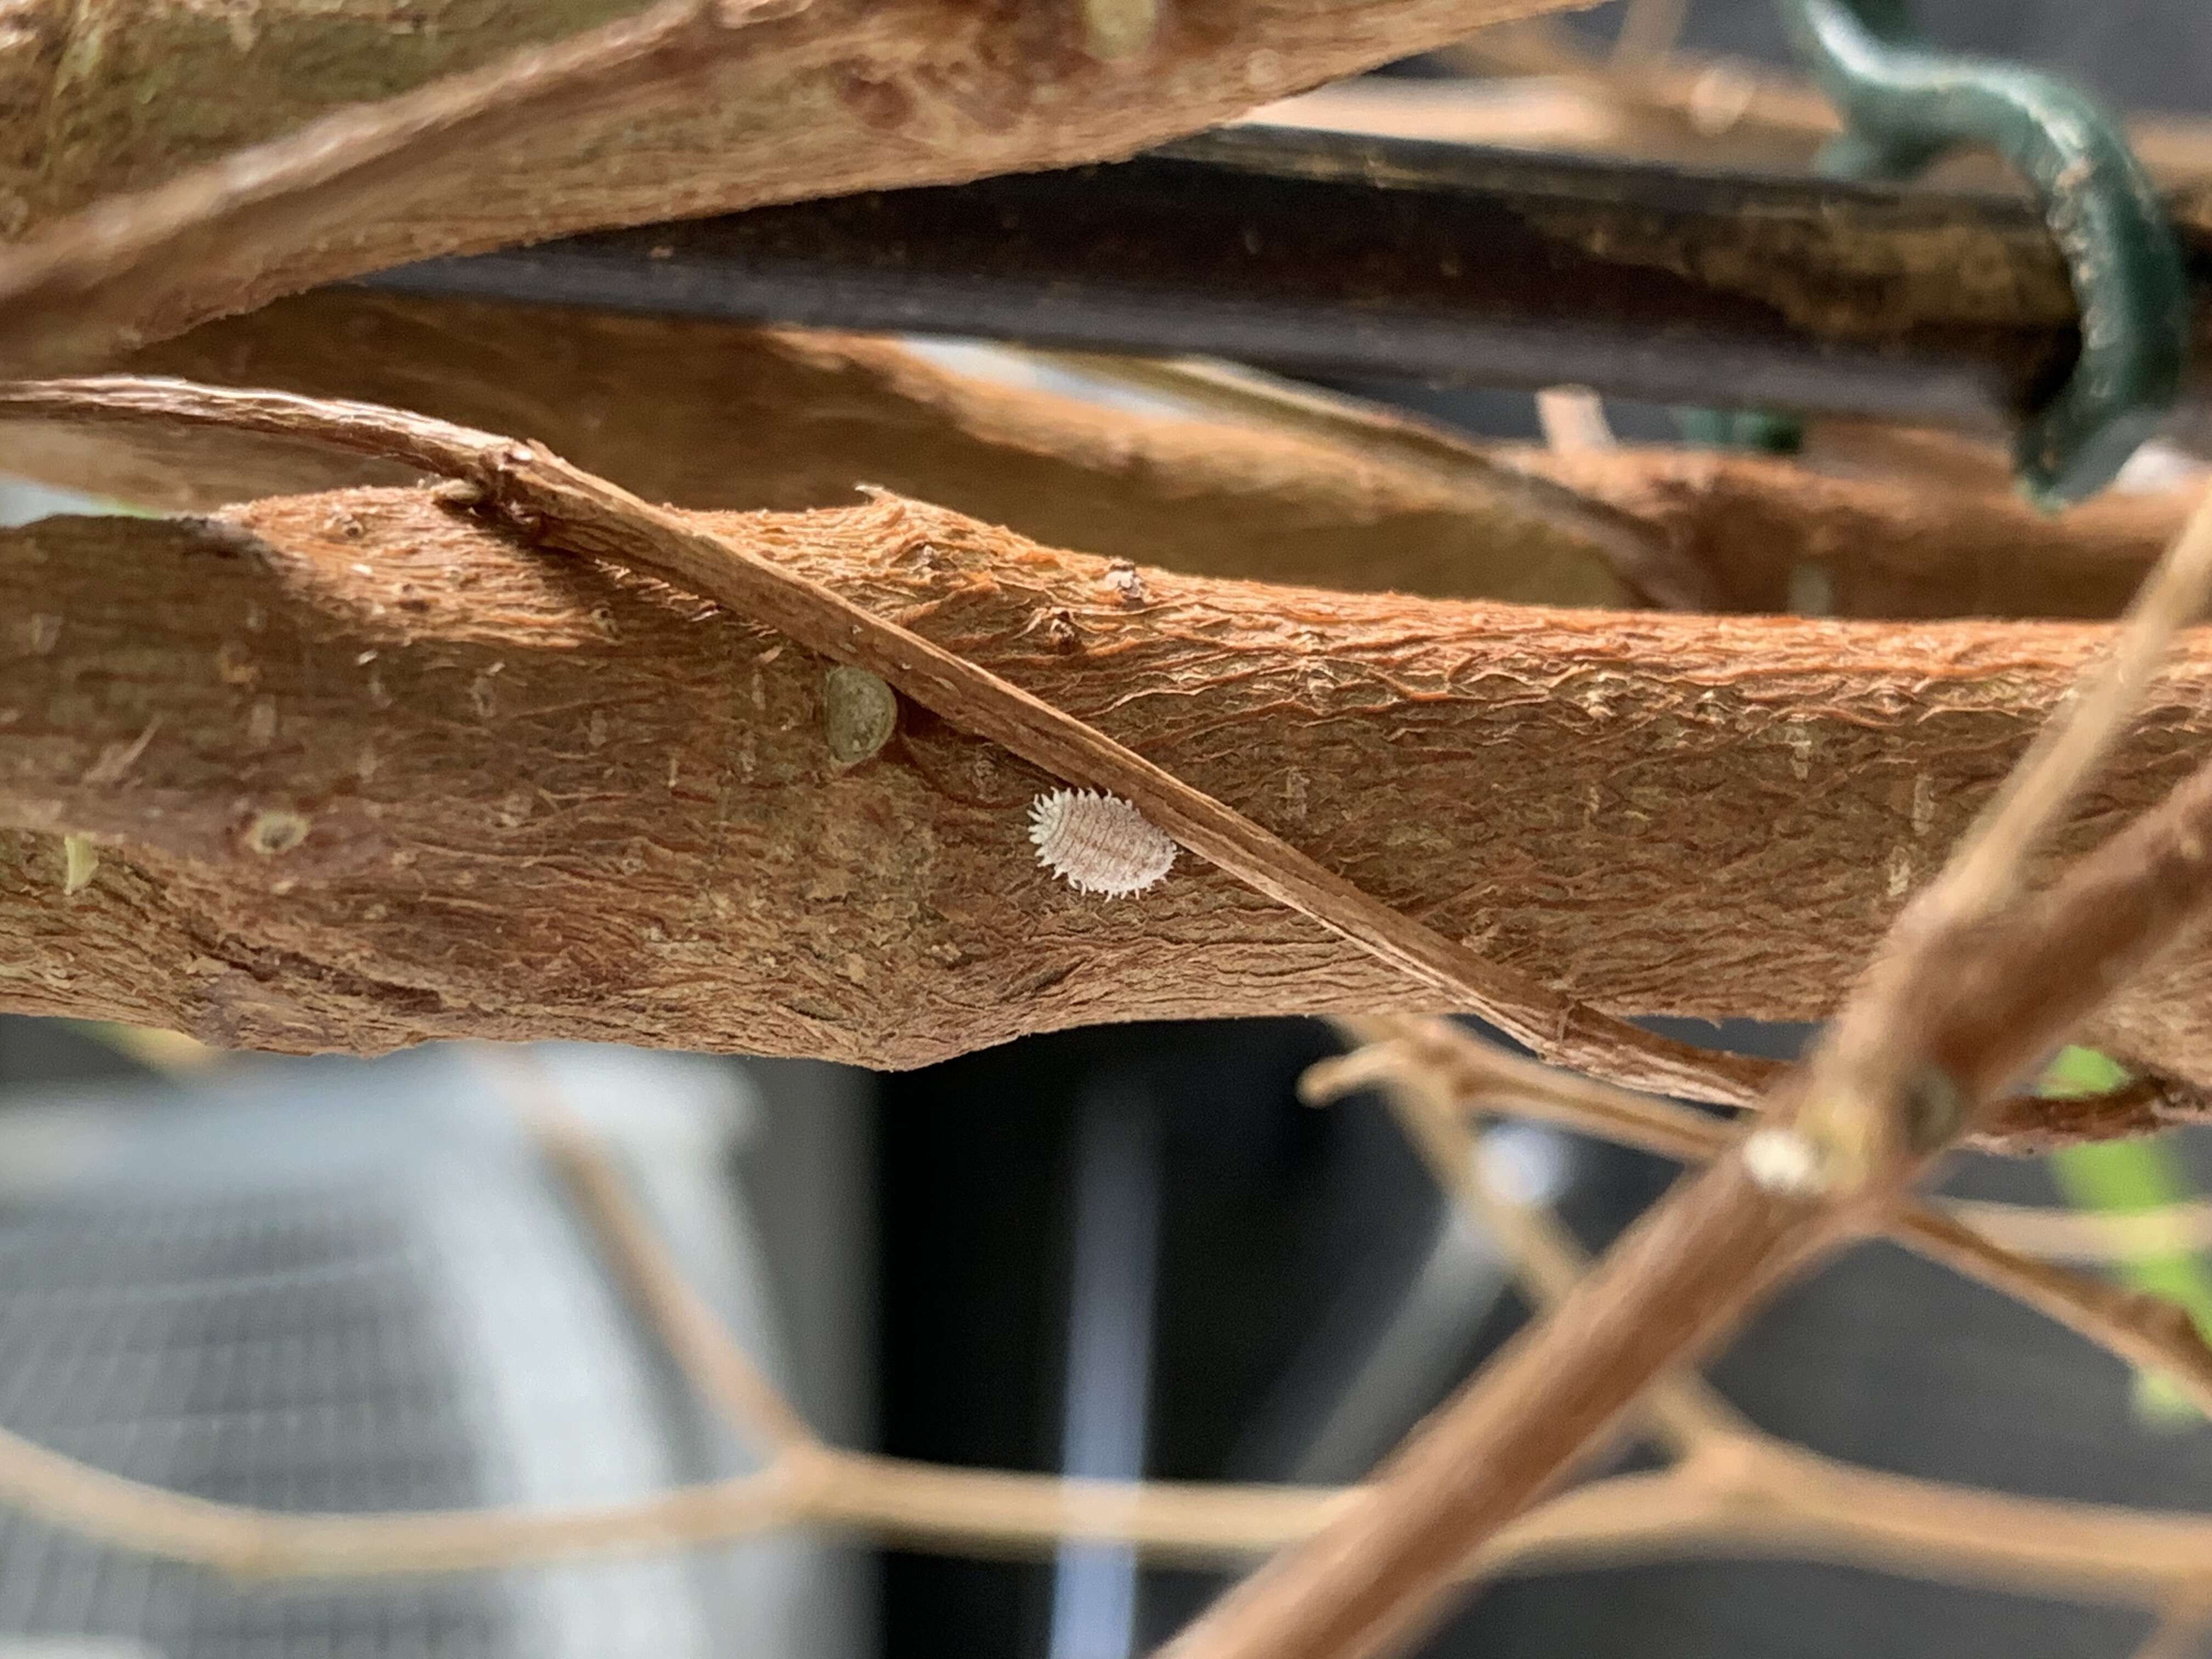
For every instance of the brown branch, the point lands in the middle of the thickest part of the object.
(689, 107)
(573, 510)
(141, 265)
(1774, 536)
(1644, 557)
(1704, 1256)
(463, 730)
(1327, 492)
(711, 415)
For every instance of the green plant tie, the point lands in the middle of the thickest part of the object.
(1904, 103)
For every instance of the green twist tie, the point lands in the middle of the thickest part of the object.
(1905, 103)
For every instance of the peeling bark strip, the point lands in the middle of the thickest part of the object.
(627, 117)
(708, 414)
(381, 774)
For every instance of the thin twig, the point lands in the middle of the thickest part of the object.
(1911, 1527)
(1642, 555)
(2180, 1630)
(1687, 1414)
(1869, 1079)
(1648, 31)
(567, 508)
(696, 1337)
(1476, 1076)
(1486, 1075)
(2054, 1234)
(915, 1504)
(1481, 1076)
(1790, 1483)
(1737, 1494)
(2147, 1331)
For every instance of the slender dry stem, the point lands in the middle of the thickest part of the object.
(1474, 1076)
(696, 1337)
(2053, 1234)
(1711, 1440)
(1878, 1097)
(1644, 555)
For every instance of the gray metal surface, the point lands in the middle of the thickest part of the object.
(344, 1288)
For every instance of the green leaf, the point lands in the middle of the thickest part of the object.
(2079, 1070)
(2124, 1177)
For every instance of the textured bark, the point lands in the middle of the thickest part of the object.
(363, 771)
(1976, 982)
(736, 105)
(1775, 537)
(100, 96)
(528, 489)
(707, 415)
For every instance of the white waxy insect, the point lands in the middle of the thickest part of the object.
(1098, 843)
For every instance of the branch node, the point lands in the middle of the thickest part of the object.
(1782, 1161)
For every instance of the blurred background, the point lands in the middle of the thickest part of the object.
(327, 1284)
